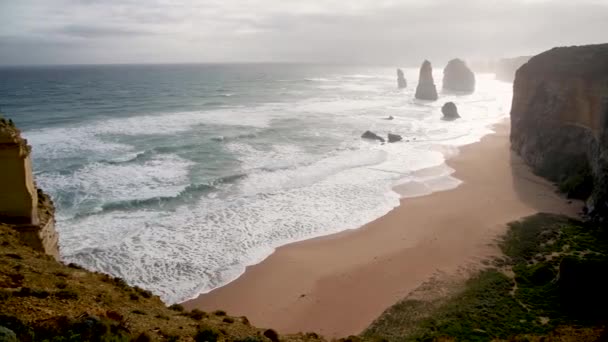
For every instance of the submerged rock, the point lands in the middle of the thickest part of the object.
(390, 118)
(426, 89)
(458, 77)
(401, 82)
(394, 138)
(450, 111)
(372, 136)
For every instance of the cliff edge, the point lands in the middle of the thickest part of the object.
(559, 120)
(22, 205)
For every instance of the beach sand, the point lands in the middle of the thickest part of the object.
(337, 285)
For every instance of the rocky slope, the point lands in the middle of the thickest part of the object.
(559, 120)
(43, 300)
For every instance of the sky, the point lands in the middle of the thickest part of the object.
(382, 32)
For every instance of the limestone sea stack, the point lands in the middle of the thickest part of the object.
(23, 206)
(559, 120)
(426, 89)
(458, 77)
(450, 111)
(401, 82)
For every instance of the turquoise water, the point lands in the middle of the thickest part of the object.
(176, 177)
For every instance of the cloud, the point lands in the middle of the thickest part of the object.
(95, 31)
(364, 31)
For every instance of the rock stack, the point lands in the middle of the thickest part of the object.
(426, 89)
(401, 82)
(22, 206)
(450, 111)
(458, 77)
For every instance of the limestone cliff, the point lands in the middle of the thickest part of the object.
(23, 206)
(559, 120)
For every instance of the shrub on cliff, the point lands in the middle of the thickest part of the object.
(207, 334)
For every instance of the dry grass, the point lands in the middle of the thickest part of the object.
(34, 288)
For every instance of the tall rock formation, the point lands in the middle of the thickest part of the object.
(23, 206)
(426, 89)
(458, 77)
(559, 120)
(401, 82)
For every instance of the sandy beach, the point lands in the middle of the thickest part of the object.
(337, 285)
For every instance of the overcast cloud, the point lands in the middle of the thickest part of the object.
(398, 32)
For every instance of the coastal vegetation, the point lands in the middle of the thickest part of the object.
(548, 284)
(42, 299)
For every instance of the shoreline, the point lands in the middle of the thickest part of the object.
(324, 284)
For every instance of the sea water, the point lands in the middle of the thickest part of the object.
(177, 177)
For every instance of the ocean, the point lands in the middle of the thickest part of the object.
(177, 177)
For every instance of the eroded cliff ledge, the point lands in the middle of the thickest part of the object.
(24, 207)
(559, 120)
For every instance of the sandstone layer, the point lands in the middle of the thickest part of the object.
(23, 206)
(559, 119)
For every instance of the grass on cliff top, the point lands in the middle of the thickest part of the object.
(43, 300)
(523, 297)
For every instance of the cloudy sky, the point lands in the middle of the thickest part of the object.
(397, 32)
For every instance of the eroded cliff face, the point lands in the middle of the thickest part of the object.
(22, 206)
(559, 120)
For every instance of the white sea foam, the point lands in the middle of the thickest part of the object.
(165, 175)
(292, 190)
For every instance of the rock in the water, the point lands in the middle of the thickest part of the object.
(390, 118)
(558, 119)
(458, 77)
(372, 136)
(426, 89)
(450, 111)
(394, 138)
(401, 82)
